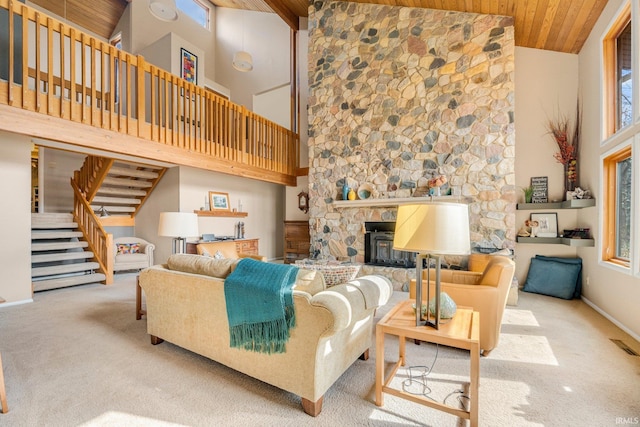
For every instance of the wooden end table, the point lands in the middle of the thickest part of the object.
(463, 331)
(139, 311)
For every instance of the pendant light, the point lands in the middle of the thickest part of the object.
(242, 60)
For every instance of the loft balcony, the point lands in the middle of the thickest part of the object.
(59, 83)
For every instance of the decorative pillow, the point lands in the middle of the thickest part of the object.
(578, 291)
(206, 253)
(128, 248)
(553, 278)
(218, 255)
(197, 264)
(309, 281)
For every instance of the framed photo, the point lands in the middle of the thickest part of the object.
(188, 66)
(219, 201)
(547, 223)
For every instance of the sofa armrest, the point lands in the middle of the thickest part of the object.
(256, 257)
(455, 276)
(376, 290)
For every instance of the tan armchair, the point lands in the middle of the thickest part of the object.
(132, 253)
(485, 291)
(227, 249)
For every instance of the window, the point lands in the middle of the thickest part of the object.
(618, 82)
(617, 207)
(196, 10)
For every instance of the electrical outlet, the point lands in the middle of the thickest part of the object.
(587, 281)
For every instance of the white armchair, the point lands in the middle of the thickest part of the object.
(132, 253)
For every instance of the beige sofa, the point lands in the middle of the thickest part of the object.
(186, 306)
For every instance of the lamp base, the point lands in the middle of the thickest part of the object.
(436, 314)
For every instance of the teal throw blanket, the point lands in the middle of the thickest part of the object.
(259, 300)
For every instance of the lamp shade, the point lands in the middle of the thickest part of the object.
(164, 10)
(178, 224)
(242, 61)
(434, 228)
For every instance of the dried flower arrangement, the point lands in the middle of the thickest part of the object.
(568, 141)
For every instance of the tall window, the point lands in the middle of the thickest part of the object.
(617, 207)
(618, 77)
(196, 10)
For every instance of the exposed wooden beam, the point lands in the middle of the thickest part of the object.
(280, 7)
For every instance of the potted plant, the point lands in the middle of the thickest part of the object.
(528, 193)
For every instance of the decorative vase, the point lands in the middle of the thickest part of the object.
(448, 307)
(351, 195)
(345, 191)
(570, 175)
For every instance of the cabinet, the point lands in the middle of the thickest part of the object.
(569, 204)
(296, 241)
(243, 246)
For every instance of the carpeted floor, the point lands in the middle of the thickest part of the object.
(78, 357)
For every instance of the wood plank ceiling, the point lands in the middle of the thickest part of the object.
(558, 25)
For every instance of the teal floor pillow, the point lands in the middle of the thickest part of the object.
(578, 291)
(551, 277)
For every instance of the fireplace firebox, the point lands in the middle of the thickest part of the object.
(378, 247)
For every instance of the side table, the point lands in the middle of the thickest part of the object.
(463, 331)
(139, 311)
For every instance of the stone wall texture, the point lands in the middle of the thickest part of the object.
(400, 95)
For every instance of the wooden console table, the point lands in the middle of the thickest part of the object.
(463, 331)
(243, 246)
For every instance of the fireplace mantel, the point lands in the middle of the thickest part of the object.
(339, 204)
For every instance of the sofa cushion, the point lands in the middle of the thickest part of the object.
(552, 278)
(578, 290)
(310, 281)
(197, 264)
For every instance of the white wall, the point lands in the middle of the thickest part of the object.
(292, 212)
(546, 85)
(147, 29)
(266, 38)
(56, 168)
(274, 105)
(15, 218)
(615, 293)
(263, 201)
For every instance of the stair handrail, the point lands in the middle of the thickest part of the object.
(91, 175)
(100, 242)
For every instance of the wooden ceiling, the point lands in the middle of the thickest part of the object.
(558, 25)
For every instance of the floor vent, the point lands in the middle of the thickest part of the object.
(625, 347)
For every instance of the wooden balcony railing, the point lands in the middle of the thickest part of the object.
(50, 68)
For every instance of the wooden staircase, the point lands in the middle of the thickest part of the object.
(116, 190)
(58, 253)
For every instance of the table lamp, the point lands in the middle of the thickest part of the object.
(178, 225)
(431, 230)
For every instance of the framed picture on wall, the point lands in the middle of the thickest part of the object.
(188, 66)
(548, 224)
(219, 201)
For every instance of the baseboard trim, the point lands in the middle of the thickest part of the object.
(9, 304)
(611, 319)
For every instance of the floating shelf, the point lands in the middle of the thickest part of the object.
(221, 213)
(556, 241)
(569, 204)
(396, 201)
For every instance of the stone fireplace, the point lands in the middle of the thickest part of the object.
(398, 96)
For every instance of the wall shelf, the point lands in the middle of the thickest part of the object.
(569, 204)
(221, 213)
(556, 241)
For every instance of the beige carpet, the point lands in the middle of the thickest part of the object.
(78, 357)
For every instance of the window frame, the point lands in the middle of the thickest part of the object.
(609, 181)
(610, 71)
(205, 7)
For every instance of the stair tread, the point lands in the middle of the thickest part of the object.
(120, 191)
(54, 225)
(115, 200)
(121, 171)
(124, 182)
(63, 268)
(64, 256)
(62, 282)
(57, 245)
(40, 218)
(61, 234)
